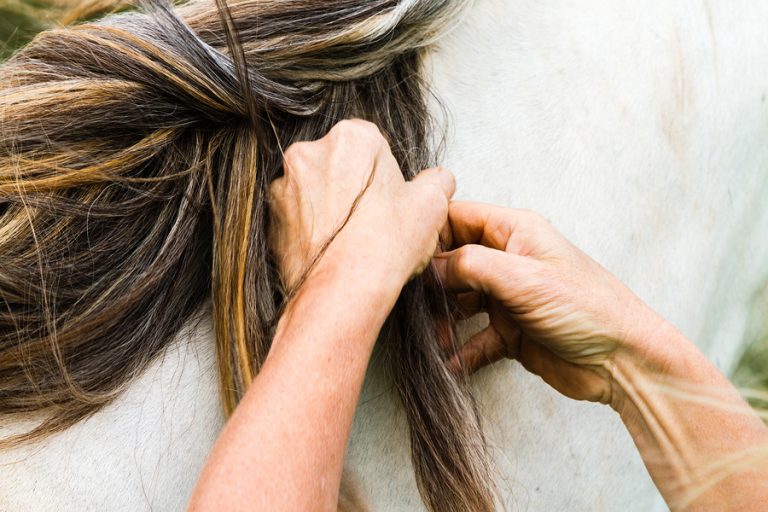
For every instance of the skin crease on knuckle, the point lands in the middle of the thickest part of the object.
(562, 298)
(300, 156)
(355, 133)
(303, 169)
(464, 265)
(352, 151)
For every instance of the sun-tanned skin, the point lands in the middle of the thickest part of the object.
(568, 320)
(283, 448)
(551, 307)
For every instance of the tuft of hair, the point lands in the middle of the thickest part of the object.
(135, 160)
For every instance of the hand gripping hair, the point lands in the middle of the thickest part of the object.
(135, 160)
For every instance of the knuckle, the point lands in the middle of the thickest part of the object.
(354, 131)
(431, 201)
(366, 127)
(353, 141)
(346, 129)
(464, 260)
(532, 218)
(275, 186)
(536, 217)
(446, 172)
(276, 189)
(298, 154)
(344, 126)
(433, 195)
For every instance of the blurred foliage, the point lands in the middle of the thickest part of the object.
(752, 373)
(20, 20)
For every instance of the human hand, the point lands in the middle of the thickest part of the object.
(551, 307)
(343, 199)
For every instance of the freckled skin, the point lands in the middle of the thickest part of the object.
(554, 108)
(283, 448)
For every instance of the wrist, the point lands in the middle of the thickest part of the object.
(344, 288)
(651, 352)
(684, 416)
(362, 268)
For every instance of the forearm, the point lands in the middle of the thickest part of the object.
(283, 448)
(697, 436)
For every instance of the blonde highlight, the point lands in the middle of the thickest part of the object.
(136, 157)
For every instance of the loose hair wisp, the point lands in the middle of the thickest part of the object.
(135, 160)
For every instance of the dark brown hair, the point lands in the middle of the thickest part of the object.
(135, 160)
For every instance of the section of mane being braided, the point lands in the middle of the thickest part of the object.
(135, 162)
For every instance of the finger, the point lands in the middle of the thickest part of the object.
(468, 223)
(301, 156)
(445, 335)
(490, 225)
(446, 237)
(276, 189)
(439, 176)
(484, 348)
(470, 304)
(479, 268)
(567, 378)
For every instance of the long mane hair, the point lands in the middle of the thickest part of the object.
(135, 159)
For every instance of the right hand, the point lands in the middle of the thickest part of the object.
(343, 197)
(551, 307)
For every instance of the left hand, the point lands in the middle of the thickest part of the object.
(343, 198)
(553, 308)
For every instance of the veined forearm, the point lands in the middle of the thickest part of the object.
(695, 433)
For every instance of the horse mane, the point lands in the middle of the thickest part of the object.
(135, 160)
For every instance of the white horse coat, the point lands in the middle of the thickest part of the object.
(640, 129)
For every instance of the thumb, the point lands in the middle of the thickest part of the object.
(438, 177)
(482, 269)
